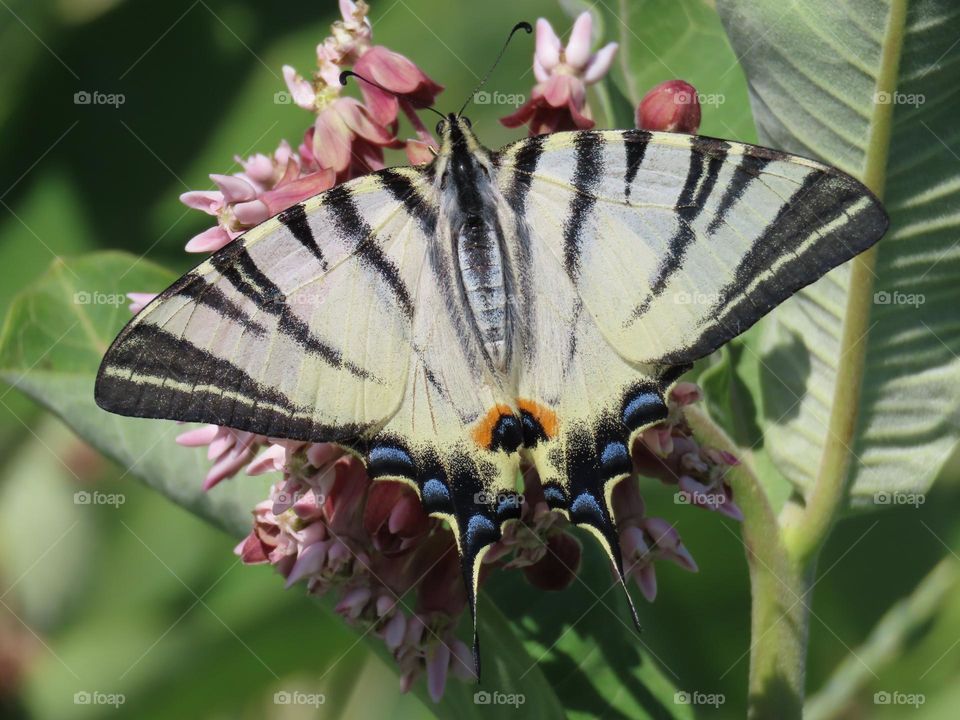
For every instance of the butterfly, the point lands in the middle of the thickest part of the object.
(446, 321)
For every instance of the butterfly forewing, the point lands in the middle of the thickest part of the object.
(300, 328)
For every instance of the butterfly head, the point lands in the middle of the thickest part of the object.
(462, 162)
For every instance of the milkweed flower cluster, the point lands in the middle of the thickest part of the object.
(559, 99)
(392, 570)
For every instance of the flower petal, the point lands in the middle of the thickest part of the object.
(210, 201)
(547, 45)
(234, 189)
(577, 53)
(600, 63)
(138, 301)
(209, 240)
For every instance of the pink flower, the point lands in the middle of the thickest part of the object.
(397, 74)
(229, 449)
(645, 539)
(671, 106)
(559, 99)
(393, 517)
(138, 301)
(245, 199)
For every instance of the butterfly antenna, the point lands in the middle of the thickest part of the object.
(346, 74)
(526, 27)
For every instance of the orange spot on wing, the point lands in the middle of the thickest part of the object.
(543, 415)
(483, 432)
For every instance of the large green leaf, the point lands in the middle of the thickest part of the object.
(52, 342)
(869, 87)
(53, 339)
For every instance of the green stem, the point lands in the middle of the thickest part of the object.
(779, 587)
(885, 643)
(805, 531)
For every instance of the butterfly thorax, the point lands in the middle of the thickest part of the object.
(469, 202)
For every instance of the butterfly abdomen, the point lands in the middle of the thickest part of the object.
(481, 266)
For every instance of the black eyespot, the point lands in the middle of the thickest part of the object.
(466, 121)
(441, 126)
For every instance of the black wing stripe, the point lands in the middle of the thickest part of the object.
(707, 157)
(635, 143)
(351, 226)
(524, 164)
(240, 270)
(750, 167)
(822, 200)
(225, 394)
(196, 288)
(295, 220)
(588, 170)
(403, 191)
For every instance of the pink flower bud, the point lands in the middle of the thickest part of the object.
(671, 106)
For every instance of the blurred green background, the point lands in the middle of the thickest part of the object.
(146, 600)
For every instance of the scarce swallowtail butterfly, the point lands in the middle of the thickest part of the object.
(445, 321)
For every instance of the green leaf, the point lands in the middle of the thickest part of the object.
(585, 643)
(52, 341)
(681, 39)
(868, 87)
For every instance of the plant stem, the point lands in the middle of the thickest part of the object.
(779, 588)
(885, 642)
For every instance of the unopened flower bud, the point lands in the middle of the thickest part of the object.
(671, 106)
